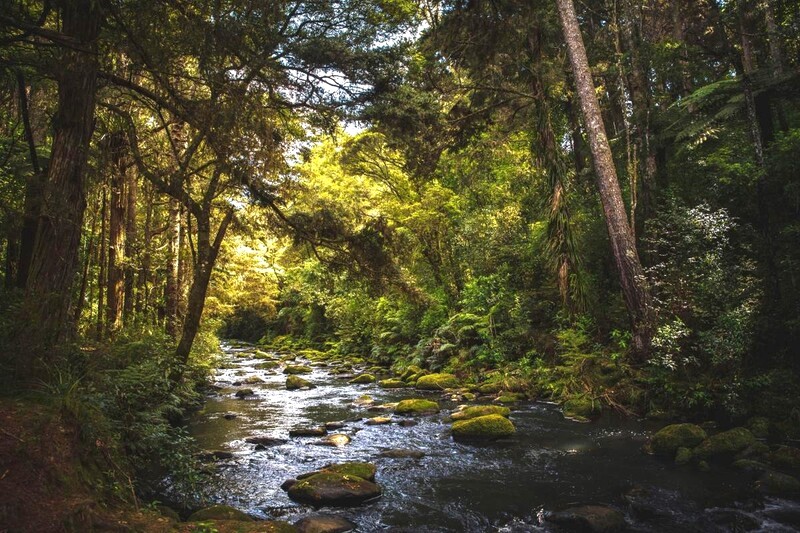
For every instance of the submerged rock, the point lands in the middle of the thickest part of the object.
(480, 410)
(488, 427)
(244, 393)
(331, 488)
(219, 512)
(362, 379)
(416, 406)
(437, 382)
(668, 439)
(297, 369)
(324, 524)
(296, 382)
(725, 445)
(589, 518)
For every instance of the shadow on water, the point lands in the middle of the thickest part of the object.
(550, 464)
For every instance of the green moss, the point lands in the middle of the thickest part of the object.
(759, 426)
(668, 439)
(786, 457)
(392, 383)
(363, 470)
(509, 397)
(480, 410)
(490, 388)
(581, 407)
(330, 488)
(219, 512)
(410, 371)
(363, 378)
(483, 427)
(296, 382)
(416, 406)
(683, 456)
(437, 382)
(726, 444)
(297, 369)
(778, 484)
(268, 365)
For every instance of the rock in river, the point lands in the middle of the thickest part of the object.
(308, 432)
(416, 406)
(668, 439)
(265, 441)
(297, 369)
(725, 445)
(296, 382)
(487, 427)
(480, 410)
(331, 488)
(338, 440)
(437, 382)
(362, 378)
(219, 512)
(590, 518)
(244, 393)
(324, 523)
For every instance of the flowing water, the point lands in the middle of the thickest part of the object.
(550, 464)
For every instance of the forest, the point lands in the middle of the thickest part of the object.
(587, 211)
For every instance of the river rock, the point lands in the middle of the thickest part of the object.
(268, 365)
(437, 382)
(416, 406)
(265, 441)
(402, 454)
(338, 440)
(406, 423)
(392, 383)
(759, 426)
(330, 488)
(378, 421)
(214, 455)
(362, 379)
(333, 426)
(724, 446)
(354, 468)
(589, 518)
(488, 427)
(492, 387)
(229, 416)
(244, 393)
(786, 457)
(253, 380)
(581, 408)
(778, 484)
(297, 369)
(363, 401)
(412, 370)
(480, 410)
(324, 524)
(308, 432)
(296, 382)
(668, 439)
(510, 397)
(219, 512)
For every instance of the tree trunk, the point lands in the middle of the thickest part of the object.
(101, 263)
(172, 289)
(130, 244)
(12, 255)
(55, 252)
(116, 234)
(207, 252)
(635, 288)
(143, 283)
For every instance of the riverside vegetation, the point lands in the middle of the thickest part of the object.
(481, 203)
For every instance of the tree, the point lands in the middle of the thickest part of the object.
(635, 287)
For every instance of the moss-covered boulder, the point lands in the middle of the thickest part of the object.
(355, 468)
(724, 446)
(778, 484)
(437, 382)
(324, 524)
(589, 518)
(668, 439)
(297, 369)
(392, 383)
(234, 526)
(786, 457)
(759, 426)
(416, 406)
(581, 408)
(480, 410)
(244, 393)
(379, 421)
(509, 398)
(410, 371)
(362, 379)
(219, 512)
(331, 488)
(493, 387)
(296, 382)
(683, 456)
(268, 365)
(488, 427)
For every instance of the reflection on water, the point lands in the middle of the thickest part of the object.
(550, 464)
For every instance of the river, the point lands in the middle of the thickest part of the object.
(551, 463)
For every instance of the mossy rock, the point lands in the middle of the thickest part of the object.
(258, 354)
(725, 445)
(759, 426)
(480, 410)
(219, 512)
(412, 370)
(297, 369)
(296, 382)
(589, 518)
(362, 379)
(581, 407)
(253, 380)
(268, 365)
(492, 387)
(392, 383)
(361, 469)
(748, 465)
(668, 439)
(416, 406)
(509, 398)
(683, 456)
(778, 484)
(330, 488)
(437, 382)
(786, 457)
(488, 427)
(244, 393)
(237, 526)
(324, 524)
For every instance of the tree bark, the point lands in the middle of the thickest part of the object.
(635, 288)
(130, 243)
(55, 252)
(116, 234)
(172, 288)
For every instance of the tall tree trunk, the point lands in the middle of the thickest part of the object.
(635, 288)
(172, 288)
(55, 252)
(81, 302)
(130, 243)
(116, 234)
(102, 263)
(207, 252)
(143, 283)
(12, 255)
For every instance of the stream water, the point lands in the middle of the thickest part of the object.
(550, 464)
